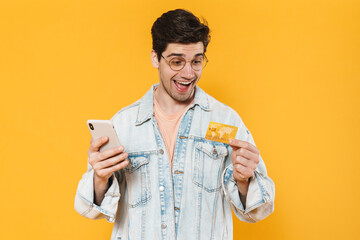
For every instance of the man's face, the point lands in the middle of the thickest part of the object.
(179, 85)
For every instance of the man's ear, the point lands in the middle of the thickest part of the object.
(154, 59)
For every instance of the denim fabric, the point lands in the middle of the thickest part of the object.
(148, 200)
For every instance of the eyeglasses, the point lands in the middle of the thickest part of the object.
(178, 63)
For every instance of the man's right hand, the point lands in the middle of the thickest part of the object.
(104, 164)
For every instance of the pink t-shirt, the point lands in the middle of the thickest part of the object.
(168, 126)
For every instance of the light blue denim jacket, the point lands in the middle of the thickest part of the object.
(193, 200)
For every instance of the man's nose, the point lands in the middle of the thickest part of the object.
(187, 72)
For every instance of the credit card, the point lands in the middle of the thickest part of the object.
(220, 132)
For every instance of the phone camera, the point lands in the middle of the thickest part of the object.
(91, 126)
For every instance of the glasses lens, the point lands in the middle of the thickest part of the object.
(177, 63)
(198, 63)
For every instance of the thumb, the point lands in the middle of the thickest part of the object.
(233, 144)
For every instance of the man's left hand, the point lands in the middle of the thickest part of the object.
(245, 158)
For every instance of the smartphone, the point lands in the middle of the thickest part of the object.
(99, 128)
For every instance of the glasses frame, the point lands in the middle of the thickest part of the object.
(168, 63)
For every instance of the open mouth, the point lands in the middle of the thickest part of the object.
(182, 86)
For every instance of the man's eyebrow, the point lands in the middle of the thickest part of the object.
(183, 55)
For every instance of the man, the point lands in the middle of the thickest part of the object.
(167, 181)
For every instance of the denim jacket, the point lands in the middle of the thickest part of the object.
(192, 200)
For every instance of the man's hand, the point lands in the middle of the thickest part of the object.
(245, 158)
(104, 165)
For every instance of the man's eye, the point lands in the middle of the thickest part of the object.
(197, 62)
(177, 62)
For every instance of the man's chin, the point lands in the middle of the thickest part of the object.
(183, 98)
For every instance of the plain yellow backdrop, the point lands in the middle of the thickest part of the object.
(290, 68)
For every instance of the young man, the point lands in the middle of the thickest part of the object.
(167, 181)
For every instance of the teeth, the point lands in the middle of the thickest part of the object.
(184, 83)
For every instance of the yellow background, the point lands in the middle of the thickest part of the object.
(290, 68)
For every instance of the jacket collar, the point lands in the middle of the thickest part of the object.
(146, 106)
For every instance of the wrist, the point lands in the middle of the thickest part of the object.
(243, 181)
(102, 183)
(243, 186)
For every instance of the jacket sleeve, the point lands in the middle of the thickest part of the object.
(261, 192)
(84, 198)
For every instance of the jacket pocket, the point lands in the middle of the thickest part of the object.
(138, 180)
(209, 158)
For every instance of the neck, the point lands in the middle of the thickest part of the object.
(169, 105)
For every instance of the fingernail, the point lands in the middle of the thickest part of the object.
(120, 148)
(231, 141)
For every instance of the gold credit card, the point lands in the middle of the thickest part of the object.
(220, 132)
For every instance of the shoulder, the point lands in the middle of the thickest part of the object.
(223, 113)
(128, 111)
(141, 109)
(223, 110)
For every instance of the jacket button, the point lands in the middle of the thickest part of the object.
(161, 188)
(161, 151)
(163, 226)
(214, 150)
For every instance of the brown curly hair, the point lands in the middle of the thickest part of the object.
(178, 26)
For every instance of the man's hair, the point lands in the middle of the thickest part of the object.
(178, 26)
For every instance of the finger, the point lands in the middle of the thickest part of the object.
(241, 160)
(239, 172)
(96, 144)
(246, 153)
(112, 169)
(110, 153)
(236, 143)
(244, 172)
(112, 161)
(245, 162)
